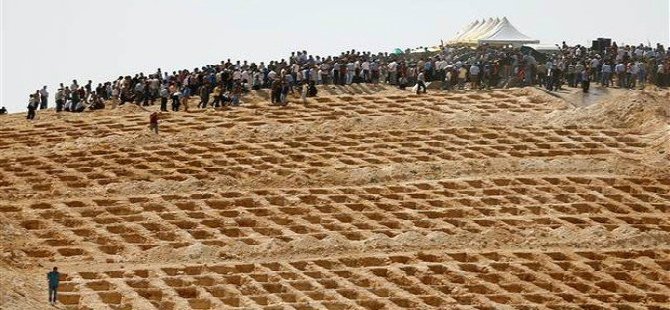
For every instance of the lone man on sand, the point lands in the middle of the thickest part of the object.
(53, 279)
(153, 122)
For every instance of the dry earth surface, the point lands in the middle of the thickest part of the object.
(363, 198)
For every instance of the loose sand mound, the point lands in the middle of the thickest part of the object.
(643, 110)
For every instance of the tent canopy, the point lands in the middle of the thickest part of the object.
(492, 31)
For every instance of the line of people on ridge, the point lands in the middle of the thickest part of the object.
(460, 68)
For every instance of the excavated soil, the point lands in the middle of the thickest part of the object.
(363, 198)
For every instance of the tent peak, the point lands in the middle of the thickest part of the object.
(492, 30)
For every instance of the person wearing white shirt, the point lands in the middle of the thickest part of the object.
(294, 69)
(594, 69)
(350, 72)
(474, 76)
(325, 72)
(272, 75)
(620, 70)
(393, 72)
(237, 75)
(245, 76)
(634, 73)
(365, 66)
(420, 83)
(641, 74)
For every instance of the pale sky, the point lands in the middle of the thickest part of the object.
(45, 42)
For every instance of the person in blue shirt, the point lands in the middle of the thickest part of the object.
(53, 279)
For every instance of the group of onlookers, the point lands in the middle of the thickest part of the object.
(455, 67)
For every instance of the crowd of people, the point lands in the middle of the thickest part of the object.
(455, 67)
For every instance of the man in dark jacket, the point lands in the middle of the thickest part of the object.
(53, 278)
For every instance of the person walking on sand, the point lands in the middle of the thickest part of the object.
(53, 279)
(153, 122)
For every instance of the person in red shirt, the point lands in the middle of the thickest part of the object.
(153, 122)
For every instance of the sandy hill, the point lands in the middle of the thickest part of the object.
(365, 197)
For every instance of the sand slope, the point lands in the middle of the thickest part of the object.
(365, 197)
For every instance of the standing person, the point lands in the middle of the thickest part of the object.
(462, 76)
(186, 95)
(641, 75)
(32, 106)
(87, 90)
(218, 93)
(620, 70)
(336, 72)
(421, 83)
(474, 76)
(586, 80)
(164, 94)
(351, 67)
(393, 72)
(153, 122)
(38, 96)
(75, 100)
(605, 74)
(53, 279)
(447, 79)
(59, 100)
(204, 96)
(283, 93)
(365, 67)
(175, 94)
(44, 98)
(276, 90)
(115, 96)
(236, 94)
(303, 91)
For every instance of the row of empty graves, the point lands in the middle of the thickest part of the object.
(74, 229)
(305, 154)
(327, 108)
(598, 279)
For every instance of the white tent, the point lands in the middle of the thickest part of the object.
(507, 34)
(492, 31)
(465, 30)
(492, 26)
(472, 34)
